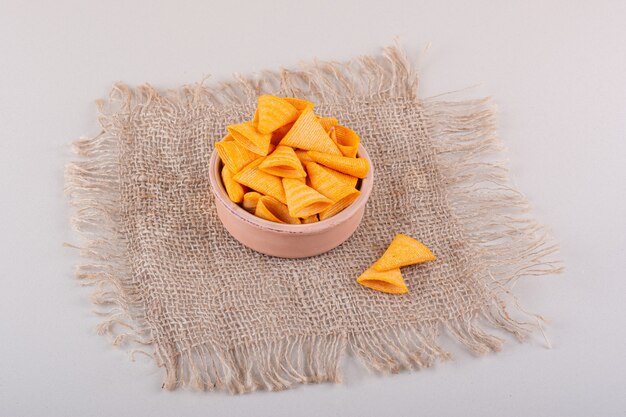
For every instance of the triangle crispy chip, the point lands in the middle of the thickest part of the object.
(234, 190)
(310, 219)
(345, 178)
(390, 282)
(283, 162)
(299, 103)
(346, 140)
(274, 112)
(250, 200)
(330, 186)
(250, 138)
(357, 167)
(339, 205)
(307, 133)
(302, 200)
(233, 155)
(252, 177)
(403, 251)
(303, 156)
(328, 183)
(328, 122)
(280, 133)
(269, 208)
(349, 180)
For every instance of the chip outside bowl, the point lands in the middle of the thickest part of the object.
(287, 240)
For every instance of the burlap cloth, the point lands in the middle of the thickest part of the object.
(215, 314)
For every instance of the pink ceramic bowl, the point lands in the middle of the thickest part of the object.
(288, 240)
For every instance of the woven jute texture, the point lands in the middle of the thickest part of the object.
(217, 315)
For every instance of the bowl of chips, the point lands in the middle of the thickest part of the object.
(290, 183)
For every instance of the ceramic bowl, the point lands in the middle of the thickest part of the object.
(288, 240)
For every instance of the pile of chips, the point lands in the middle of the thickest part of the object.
(289, 165)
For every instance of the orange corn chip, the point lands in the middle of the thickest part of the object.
(330, 186)
(228, 138)
(307, 133)
(233, 155)
(299, 103)
(283, 162)
(251, 176)
(303, 201)
(357, 167)
(303, 156)
(346, 140)
(339, 205)
(247, 136)
(310, 219)
(250, 200)
(390, 282)
(328, 183)
(280, 133)
(269, 208)
(234, 190)
(328, 122)
(349, 180)
(275, 112)
(403, 250)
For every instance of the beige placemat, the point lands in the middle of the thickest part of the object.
(214, 314)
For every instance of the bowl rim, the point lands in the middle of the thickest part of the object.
(215, 179)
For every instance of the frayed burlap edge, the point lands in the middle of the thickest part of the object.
(508, 243)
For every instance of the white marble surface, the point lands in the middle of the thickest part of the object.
(557, 71)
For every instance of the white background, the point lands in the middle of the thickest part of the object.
(557, 71)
